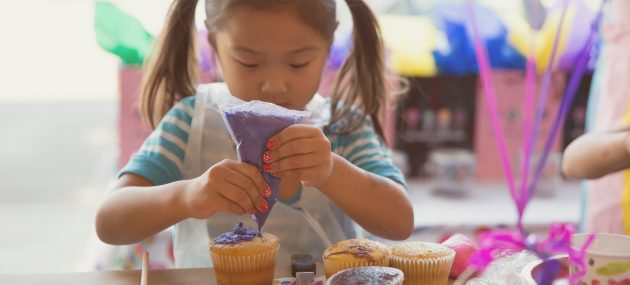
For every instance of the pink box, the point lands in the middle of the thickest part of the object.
(131, 130)
(510, 90)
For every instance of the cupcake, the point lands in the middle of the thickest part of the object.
(423, 263)
(244, 256)
(354, 253)
(371, 275)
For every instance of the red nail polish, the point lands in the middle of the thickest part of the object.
(267, 192)
(264, 206)
(267, 167)
(266, 156)
(270, 144)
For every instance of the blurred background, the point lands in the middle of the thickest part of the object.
(69, 119)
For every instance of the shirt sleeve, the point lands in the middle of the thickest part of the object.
(161, 157)
(363, 148)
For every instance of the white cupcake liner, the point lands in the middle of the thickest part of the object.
(248, 269)
(332, 266)
(428, 271)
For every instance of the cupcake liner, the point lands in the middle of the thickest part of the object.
(248, 269)
(333, 266)
(428, 271)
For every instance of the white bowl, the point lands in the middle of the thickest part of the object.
(607, 258)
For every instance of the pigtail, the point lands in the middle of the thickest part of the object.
(361, 79)
(171, 73)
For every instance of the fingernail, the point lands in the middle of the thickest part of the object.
(275, 173)
(270, 144)
(267, 192)
(263, 206)
(266, 156)
(267, 167)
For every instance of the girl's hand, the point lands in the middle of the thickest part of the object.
(228, 186)
(301, 152)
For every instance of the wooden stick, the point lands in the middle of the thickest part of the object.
(145, 269)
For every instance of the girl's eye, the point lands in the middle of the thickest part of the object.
(298, 66)
(247, 65)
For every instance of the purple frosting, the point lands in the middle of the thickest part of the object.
(251, 124)
(371, 275)
(237, 235)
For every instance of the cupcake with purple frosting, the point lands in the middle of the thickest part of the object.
(370, 275)
(244, 256)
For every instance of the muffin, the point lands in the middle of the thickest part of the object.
(423, 263)
(354, 253)
(244, 256)
(371, 275)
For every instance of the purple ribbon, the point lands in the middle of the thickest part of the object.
(491, 100)
(588, 52)
(540, 109)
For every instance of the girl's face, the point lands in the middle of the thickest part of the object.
(272, 56)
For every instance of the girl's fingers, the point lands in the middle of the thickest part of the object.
(295, 162)
(229, 206)
(252, 173)
(247, 185)
(237, 196)
(291, 148)
(291, 133)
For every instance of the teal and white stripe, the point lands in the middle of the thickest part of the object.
(165, 147)
(364, 149)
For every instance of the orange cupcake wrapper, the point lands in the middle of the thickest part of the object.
(249, 269)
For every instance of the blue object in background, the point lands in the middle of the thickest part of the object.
(459, 57)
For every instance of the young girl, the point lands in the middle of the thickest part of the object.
(186, 173)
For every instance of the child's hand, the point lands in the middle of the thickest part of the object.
(228, 186)
(300, 152)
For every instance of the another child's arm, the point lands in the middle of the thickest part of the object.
(137, 209)
(378, 204)
(594, 155)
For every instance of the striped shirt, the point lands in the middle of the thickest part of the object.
(161, 157)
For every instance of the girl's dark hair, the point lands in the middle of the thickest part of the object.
(171, 72)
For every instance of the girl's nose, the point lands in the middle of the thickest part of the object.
(275, 85)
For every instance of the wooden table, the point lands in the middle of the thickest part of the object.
(202, 276)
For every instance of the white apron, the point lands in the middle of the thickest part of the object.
(308, 226)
